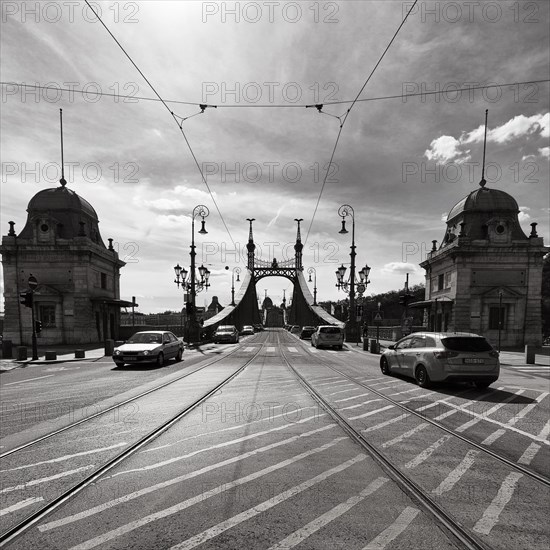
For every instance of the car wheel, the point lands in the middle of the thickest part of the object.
(421, 376)
(385, 366)
(160, 359)
(482, 385)
(178, 355)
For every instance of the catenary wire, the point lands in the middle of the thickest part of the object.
(275, 105)
(173, 116)
(347, 114)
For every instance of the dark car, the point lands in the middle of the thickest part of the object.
(258, 328)
(306, 332)
(152, 346)
(443, 356)
(226, 334)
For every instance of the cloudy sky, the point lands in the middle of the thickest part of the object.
(401, 162)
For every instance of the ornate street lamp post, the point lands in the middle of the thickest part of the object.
(352, 332)
(310, 271)
(238, 271)
(191, 285)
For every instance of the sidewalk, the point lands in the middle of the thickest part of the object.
(64, 354)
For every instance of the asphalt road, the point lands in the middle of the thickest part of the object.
(261, 464)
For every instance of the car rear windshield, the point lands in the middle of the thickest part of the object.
(466, 344)
(330, 330)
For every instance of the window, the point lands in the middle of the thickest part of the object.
(103, 280)
(447, 282)
(440, 281)
(496, 315)
(47, 315)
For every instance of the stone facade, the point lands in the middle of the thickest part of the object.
(486, 273)
(77, 299)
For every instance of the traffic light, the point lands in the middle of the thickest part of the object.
(25, 298)
(38, 327)
(404, 299)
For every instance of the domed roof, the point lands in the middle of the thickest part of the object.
(60, 199)
(485, 200)
(268, 302)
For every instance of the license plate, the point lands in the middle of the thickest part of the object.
(130, 359)
(474, 361)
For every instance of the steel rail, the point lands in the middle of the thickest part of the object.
(451, 526)
(518, 467)
(110, 408)
(16, 531)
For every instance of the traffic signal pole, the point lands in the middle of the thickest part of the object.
(34, 342)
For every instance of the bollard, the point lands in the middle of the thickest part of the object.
(374, 346)
(7, 349)
(109, 347)
(79, 354)
(21, 353)
(530, 355)
(365, 344)
(51, 355)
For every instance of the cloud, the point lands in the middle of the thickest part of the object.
(523, 216)
(447, 148)
(400, 268)
(545, 152)
(444, 216)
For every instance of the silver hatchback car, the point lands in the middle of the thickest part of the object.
(443, 356)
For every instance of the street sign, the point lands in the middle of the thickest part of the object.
(358, 312)
(377, 317)
(32, 282)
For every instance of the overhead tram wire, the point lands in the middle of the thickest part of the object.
(347, 114)
(171, 112)
(275, 105)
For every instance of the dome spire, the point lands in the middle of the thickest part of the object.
(62, 181)
(483, 181)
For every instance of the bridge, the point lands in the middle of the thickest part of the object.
(303, 310)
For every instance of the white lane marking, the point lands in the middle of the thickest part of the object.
(44, 479)
(373, 379)
(179, 479)
(264, 506)
(394, 530)
(490, 439)
(313, 350)
(493, 511)
(426, 453)
(359, 404)
(66, 457)
(406, 391)
(110, 535)
(249, 348)
(504, 425)
(28, 380)
(334, 383)
(343, 391)
(238, 426)
(406, 435)
(19, 505)
(318, 523)
(352, 397)
(371, 412)
(545, 431)
(218, 446)
(478, 418)
(270, 350)
(529, 454)
(386, 423)
(292, 349)
(449, 482)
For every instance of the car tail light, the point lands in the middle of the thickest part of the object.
(494, 353)
(445, 354)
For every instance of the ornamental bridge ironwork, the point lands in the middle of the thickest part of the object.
(245, 311)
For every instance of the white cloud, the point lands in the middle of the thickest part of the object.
(445, 149)
(444, 216)
(523, 215)
(545, 152)
(400, 268)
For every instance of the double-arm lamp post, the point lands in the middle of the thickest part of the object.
(188, 280)
(348, 286)
(233, 271)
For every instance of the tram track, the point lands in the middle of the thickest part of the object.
(32, 519)
(112, 407)
(544, 480)
(461, 535)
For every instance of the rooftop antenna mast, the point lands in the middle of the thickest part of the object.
(483, 181)
(62, 181)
